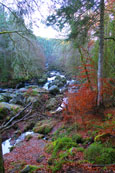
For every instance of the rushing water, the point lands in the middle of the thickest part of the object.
(6, 145)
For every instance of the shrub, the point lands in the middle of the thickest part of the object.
(63, 144)
(97, 153)
(77, 138)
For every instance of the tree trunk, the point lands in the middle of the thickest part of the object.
(1, 157)
(101, 55)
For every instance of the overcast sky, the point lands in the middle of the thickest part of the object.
(40, 14)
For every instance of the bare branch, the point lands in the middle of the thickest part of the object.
(9, 32)
(17, 115)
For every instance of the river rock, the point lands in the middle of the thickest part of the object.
(40, 90)
(22, 90)
(8, 96)
(2, 98)
(42, 80)
(18, 99)
(10, 107)
(54, 90)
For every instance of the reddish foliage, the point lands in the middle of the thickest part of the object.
(84, 100)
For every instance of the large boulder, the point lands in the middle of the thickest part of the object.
(54, 90)
(58, 81)
(44, 126)
(6, 109)
(8, 96)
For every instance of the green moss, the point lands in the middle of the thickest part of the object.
(31, 168)
(62, 144)
(97, 153)
(28, 137)
(11, 148)
(77, 138)
(81, 149)
(58, 162)
(44, 127)
(57, 165)
(109, 116)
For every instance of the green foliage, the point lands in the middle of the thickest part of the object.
(63, 143)
(80, 149)
(44, 127)
(65, 131)
(20, 54)
(77, 138)
(97, 153)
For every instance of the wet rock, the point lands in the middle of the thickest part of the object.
(8, 96)
(18, 99)
(40, 90)
(54, 90)
(22, 90)
(2, 98)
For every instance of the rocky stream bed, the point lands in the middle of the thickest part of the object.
(45, 98)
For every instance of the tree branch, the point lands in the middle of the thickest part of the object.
(9, 32)
(3, 126)
(109, 38)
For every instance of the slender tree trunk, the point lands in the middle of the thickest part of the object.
(1, 157)
(101, 55)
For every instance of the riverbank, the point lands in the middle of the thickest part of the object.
(55, 143)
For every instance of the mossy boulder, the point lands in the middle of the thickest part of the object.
(99, 154)
(6, 108)
(52, 104)
(54, 90)
(44, 127)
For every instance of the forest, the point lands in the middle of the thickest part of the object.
(57, 94)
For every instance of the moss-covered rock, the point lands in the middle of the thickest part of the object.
(44, 127)
(52, 104)
(99, 154)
